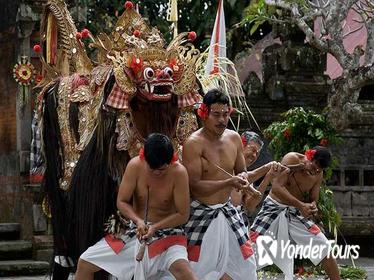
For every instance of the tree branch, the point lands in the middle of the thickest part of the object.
(361, 77)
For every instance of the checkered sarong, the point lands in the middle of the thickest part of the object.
(160, 241)
(162, 233)
(36, 158)
(117, 98)
(188, 99)
(270, 211)
(201, 217)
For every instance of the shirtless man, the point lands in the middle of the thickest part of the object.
(154, 197)
(218, 242)
(252, 145)
(291, 204)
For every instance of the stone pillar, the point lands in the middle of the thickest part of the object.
(26, 19)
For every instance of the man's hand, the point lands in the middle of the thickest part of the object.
(276, 166)
(308, 209)
(151, 231)
(243, 175)
(237, 182)
(277, 169)
(141, 229)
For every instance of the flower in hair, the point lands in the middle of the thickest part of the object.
(203, 111)
(141, 154)
(174, 158)
(244, 141)
(310, 154)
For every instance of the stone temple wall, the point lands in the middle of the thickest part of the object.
(293, 75)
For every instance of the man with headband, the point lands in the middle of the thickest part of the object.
(288, 210)
(218, 241)
(154, 199)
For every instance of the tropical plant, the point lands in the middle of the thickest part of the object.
(299, 131)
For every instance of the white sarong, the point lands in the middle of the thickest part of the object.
(124, 265)
(288, 227)
(220, 253)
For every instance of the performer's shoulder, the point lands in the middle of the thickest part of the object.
(196, 138)
(232, 135)
(135, 163)
(179, 169)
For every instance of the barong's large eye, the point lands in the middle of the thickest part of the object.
(149, 73)
(168, 72)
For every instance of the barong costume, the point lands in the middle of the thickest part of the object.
(285, 223)
(218, 242)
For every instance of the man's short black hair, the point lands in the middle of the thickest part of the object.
(158, 150)
(322, 156)
(215, 96)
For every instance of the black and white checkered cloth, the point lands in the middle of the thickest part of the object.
(36, 159)
(201, 217)
(270, 211)
(162, 233)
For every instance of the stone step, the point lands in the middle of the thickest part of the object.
(42, 241)
(13, 250)
(23, 267)
(10, 231)
(42, 247)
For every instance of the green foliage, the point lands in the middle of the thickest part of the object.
(302, 130)
(258, 12)
(350, 272)
(198, 16)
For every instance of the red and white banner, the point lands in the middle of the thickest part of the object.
(217, 43)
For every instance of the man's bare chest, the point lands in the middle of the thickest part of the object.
(160, 192)
(301, 184)
(223, 156)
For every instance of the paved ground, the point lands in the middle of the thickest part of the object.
(366, 263)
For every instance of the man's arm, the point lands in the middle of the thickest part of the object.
(279, 188)
(181, 195)
(192, 154)
(250, 201)
(280, 183)
(256, 174)
(126, 191)
(314, 192)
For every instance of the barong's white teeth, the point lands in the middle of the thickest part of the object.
(151, 88)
